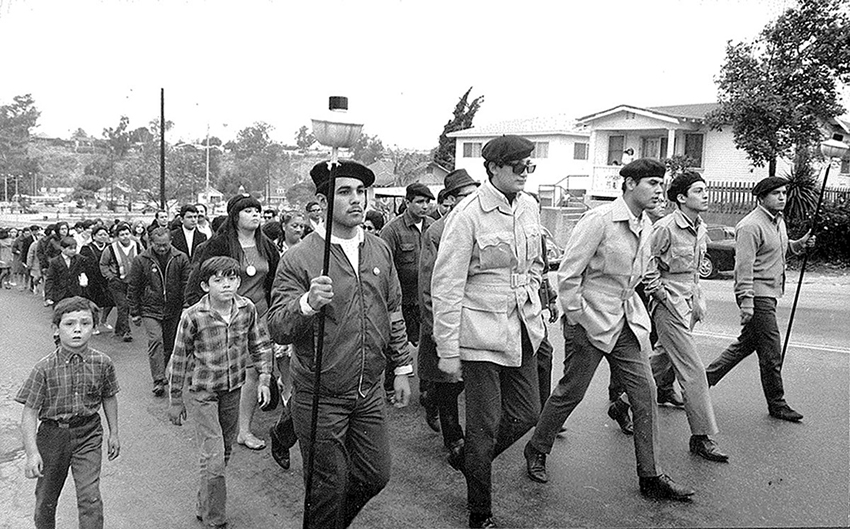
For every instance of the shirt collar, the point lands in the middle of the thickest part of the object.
(773, 218)
(361, 235)
(204, 302)
(65, 355)
(622, 213)
(491, 198)
(684, 222)
(409, 220)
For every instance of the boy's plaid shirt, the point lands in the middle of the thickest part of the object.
(211, 355)
(65, 385)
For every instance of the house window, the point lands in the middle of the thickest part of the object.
(472, 149)
(653, 147)
(615, 149)
(580, 151)
(541, 149)
(693, 148)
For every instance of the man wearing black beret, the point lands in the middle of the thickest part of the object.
(761, 244)
(363, 320)
(487, 313)
(678, 246)
(607, 256)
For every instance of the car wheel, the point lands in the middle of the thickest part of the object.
(707, 269)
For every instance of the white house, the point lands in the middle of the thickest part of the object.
(561, 150)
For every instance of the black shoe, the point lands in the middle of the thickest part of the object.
(670, 398)
(535, 464)
(280, 453)
(457, 455)
(706, 448)
(786, 414)
(619, 411)
(481, 520)
(432, 417)
(664, 488)
(159, 389)
(127, 337)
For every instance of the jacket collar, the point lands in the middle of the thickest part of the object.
(770, 216)
(621, 212)
(491, 198)
(683, 222)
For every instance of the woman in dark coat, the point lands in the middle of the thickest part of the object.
(241, 238)
(98, 288)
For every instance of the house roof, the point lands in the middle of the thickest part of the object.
(384, 172)
(691, 112)
(536, 126)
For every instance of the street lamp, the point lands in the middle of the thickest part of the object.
(336, 129)
(830, 149)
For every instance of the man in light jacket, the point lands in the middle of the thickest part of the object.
(487, 322)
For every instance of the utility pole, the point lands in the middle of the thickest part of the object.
(162, 148)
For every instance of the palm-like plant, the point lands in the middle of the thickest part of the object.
(802, 187)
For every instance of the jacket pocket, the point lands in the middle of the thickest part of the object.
(495, 250)
(407, 253)
(681, 258)
(484, 321)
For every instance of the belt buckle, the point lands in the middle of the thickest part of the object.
(518, 280)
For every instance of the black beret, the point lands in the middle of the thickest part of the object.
(681, 184)
(768, 184)
(321, 175)
(457, 179)
(507, 148)
(239, 202)
(417, 189)
(643, 168)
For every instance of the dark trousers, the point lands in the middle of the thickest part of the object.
(544, 367)
(161, 334)
(760, 334)
(444, 395)
(76, 448)
(632, 367)
(502, 404)
(118, 289)
(616, 390)
(352, 453)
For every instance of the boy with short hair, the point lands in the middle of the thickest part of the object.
(66, 275)
(70, 434)
(211, 355)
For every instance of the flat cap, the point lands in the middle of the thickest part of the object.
(458, 179)
(768, 184)
(507, 148)
(681, 184)
(321, 175)
(643, 168)
(417, 189)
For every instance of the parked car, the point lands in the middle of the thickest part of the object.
(720, 255)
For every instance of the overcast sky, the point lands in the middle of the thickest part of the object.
(402, 63)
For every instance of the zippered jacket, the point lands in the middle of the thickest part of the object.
(154, 292)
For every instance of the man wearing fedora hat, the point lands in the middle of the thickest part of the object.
(487, 322)
(444, 389)
(761, 244)
(362, 300)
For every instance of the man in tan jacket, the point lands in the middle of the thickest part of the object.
(487, 313)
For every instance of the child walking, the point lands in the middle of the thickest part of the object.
(211, 354)
(5, 258)
(66, 274)
(65, 391)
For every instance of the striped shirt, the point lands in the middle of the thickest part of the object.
(212, 355)
(64, 385)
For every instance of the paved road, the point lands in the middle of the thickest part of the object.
(780, 474)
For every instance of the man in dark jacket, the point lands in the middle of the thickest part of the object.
(363, 319)
(157, 279)
(187, 238)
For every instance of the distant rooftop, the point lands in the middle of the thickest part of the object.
(554, 124)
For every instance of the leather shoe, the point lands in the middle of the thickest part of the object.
(786, 414)
(670, 398)
(619, 411)
(484, 521)
(432, 416)
(535, 464)
(664, 488)
(457, 455)
(280, 452)
(706, 448)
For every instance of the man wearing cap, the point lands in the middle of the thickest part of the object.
(487, 322)
(761, 243)
(607, 256)
(678, 247)
(362, 300)
(444, 388)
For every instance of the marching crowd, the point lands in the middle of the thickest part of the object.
(232, 309)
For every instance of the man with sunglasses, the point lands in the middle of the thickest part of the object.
(314, 218)
(487, 322)
(269, 215)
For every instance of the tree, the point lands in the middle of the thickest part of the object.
(367, 149)
(254, 155)
(462, 117)
(17, 120)
(775, 92)
(304, 138)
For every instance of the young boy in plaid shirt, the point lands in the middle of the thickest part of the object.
(211, 350)
(65, 391)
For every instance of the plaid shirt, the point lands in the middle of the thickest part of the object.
(64, 385)
(211, 355)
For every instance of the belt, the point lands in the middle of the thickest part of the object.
(519, 280)
(73, 422)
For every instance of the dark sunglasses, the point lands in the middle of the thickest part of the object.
(368, 228)
(520, 167)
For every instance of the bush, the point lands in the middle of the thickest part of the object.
(833, 233)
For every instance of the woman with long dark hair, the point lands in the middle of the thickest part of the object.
(98, 288)
(240, 237)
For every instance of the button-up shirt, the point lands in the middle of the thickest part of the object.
(606, 257)
(65, 385)
(404, 235)
(211, 354)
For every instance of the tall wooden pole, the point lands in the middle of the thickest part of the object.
(162, 148)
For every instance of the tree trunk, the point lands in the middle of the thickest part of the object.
(771, 167)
